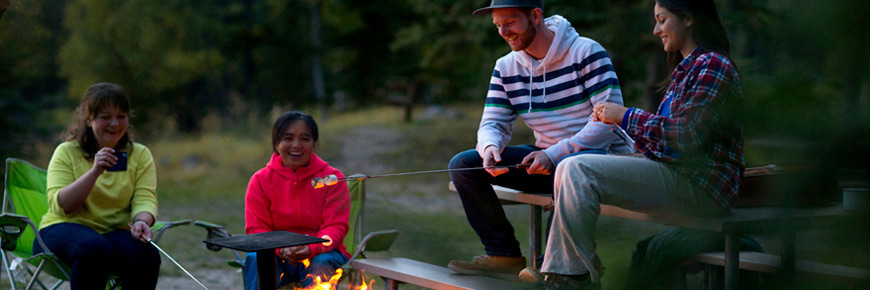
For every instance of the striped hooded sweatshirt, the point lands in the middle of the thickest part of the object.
(553, 95)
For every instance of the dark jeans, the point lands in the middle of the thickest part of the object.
(482, 207)
(94, 256)
(323, 266)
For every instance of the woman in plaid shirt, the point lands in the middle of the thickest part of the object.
(692, 147)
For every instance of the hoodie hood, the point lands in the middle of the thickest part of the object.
(562, 41)
(564, 37)
(315, 166)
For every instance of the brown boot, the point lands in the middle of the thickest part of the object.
(506, 268)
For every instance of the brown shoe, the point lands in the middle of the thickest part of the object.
(531, 275)
(506, 268)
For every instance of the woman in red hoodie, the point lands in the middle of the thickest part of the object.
(280, 198)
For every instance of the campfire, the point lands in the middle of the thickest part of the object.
(332, 282)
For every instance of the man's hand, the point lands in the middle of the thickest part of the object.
(490, 158)
(539, 163)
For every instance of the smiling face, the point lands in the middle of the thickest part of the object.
(109, 125)
(515, 27)
(296, 145)
(673, 30)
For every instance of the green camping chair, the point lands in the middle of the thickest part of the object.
(373, 242)
(24, 204)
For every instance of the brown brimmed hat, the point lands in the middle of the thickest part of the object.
(509, 3)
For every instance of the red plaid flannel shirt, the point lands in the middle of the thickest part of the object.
(705, 125)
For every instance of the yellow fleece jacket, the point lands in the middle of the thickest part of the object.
(116, 197)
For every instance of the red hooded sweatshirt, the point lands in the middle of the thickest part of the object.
(280, 199)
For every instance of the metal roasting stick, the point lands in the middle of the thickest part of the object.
(177, 264)
(321, 181)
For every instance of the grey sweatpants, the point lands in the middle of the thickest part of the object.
(584, 182)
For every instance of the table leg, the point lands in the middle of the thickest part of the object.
(534, 234)
(732, 261)
(787, 260)
(390, 284)
(266, 269)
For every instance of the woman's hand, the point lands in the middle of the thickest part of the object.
(140, 228)
(73, 196)
(608, 113)
(294, 254)
(104, 158)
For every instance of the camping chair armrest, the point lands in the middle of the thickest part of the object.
(161, 226)
(19, 223)
(208, 226)
(376, 242)
(213, 231)
(218, 231)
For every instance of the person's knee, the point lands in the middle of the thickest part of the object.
(465, 159)
(93, 250)
(149, 256)
(326, 259)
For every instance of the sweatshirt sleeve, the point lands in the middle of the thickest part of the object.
(145, 183)
(257, 217)
(336, 212)
(60, 174)
(600, 82)
(496, 123)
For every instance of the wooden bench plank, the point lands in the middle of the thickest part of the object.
(767, 263)
(430, 276)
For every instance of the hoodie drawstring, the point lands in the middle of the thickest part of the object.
(531, 81)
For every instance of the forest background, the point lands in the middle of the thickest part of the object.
(209, 74)
(803, 63)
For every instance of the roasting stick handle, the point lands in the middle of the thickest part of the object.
(176, 263)
(433, 171)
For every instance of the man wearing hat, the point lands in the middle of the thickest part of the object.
(552, 78)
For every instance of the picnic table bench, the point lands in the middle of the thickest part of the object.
(403, 270)
(781, 220)
(785, 221)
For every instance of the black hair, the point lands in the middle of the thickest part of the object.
(287, 119)
(707, 29)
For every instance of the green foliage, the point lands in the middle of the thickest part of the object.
(156, 50)
(185, 63)
(28, 86)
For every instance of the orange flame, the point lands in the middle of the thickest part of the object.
(332, 283)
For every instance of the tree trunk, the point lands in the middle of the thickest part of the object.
(317, 49)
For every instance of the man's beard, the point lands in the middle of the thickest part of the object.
(526, 37)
